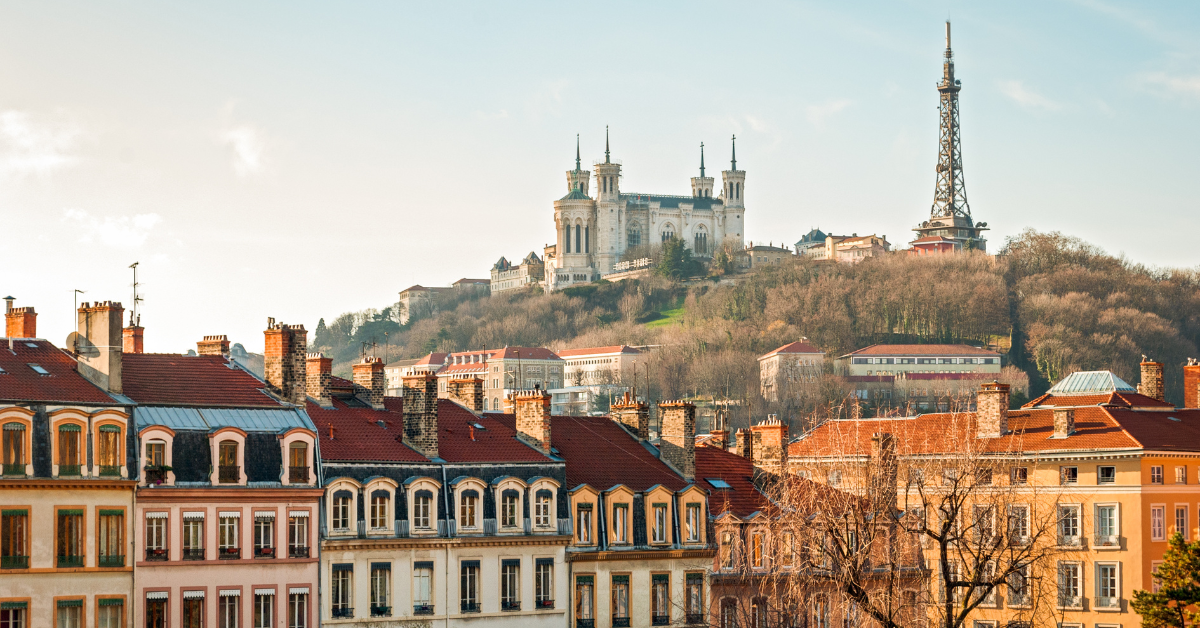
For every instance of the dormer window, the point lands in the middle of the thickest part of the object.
(543, 501)
(620, 523)
(14, 448)
(510, 502)
(422, 507)
(380, 502)
(584, 520)
(342, 501)
(228, 471)
(693, 521)
(298, 463)
(468, 508)
(660, 523)
(109, 447)
(68, 449)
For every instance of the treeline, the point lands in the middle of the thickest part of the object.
(1054, 303)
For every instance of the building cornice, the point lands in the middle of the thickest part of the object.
(44, 483)
(167, 494)
(605, 556)
(356, 544)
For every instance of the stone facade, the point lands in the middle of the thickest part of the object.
(507, 276)
(468, 392)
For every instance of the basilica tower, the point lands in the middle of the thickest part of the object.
(734, 188)
(573, 221)
(610, 211)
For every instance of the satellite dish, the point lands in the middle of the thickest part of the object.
(82, 346)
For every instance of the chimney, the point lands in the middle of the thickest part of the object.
(883, 472)
(19, 322)
(285, 361)
(318, 376)
(677, 436)
(743, 447)
(1064, 422)
(468, 392)
(369, 382)
(1152, 379)
(633, 414)
(99, 348)
(213, 345)
(991, 413)
(770, 445)
(421, 413)
(131, 339)
(720, 438)
(532, 408)
(1191, 384)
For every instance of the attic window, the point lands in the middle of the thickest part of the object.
(31, 345)
(38, 369)
(1174, 419)
(718, 483)
(3, 372)
(478, 426)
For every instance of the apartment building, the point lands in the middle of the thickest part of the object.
(396, 371)
(593, 372)
(795, 364)
(917, 359)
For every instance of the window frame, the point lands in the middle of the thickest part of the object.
(69, 418)
(1158, 529)
(82, 534)
(24, 418)
(216, 440)
(102, 422)
(24, 534)
(1115, 533)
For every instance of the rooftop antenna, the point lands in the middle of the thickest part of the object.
(135, 319)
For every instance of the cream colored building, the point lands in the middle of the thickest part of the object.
(855, 248)
(507, 276)
(896, 359)
(793, 364)
(594, 371)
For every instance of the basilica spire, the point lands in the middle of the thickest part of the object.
(733, 164)
(577, 152)
(701, 159)
(606, 159)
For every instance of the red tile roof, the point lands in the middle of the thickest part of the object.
(932, 239)
(497, 442)
(1114, 398)
(742, 497)
(526, 353)
(571, 353)
(463, 369)
(435, 359)
(794, 347)
(196, 380)
(356, 435)
(20, 382)
(922, 350)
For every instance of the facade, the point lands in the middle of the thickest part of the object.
(594, 232)
(435, 512)
(934, 245)
(69, 471)
(758, 255)
(793, 364)
(854, 249)
(507, 276)
(911, 359)
(593, 372)
(228, 499)
(502, 371)
(419, 301)
(398, 370)
(812, 244)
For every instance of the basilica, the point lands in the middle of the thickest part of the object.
(594, 232)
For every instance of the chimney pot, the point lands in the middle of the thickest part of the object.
(677, 436)
(319, 378)
(285, 361)
(1191, 384)
(19, 322)
(769, 451)
(370, 382)
(633, 415)
(1152, 379)
(213, 345)
(991, 414)
(532, 408)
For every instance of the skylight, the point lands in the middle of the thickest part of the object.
(1090, 382)
(38, 369)
(31, 345)
(718, 483)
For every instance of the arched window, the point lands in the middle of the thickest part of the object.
(422, 510)
(380, 500)
(668, 232)
(700, 241)
(468, 508)
(298, 462)
(567, 238)
(542, 505)
(496, 404)
(510, 508)
(227, 462)
(738, 193)
(587, 240)
(341, 510)
(14, 448)
(110, 450)
(68, 449)
(578, 233)
(633, 235)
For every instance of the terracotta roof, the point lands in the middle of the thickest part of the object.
(932, 239)
(19, 382)
(527, 353)
(742, 497)
(497, 442)
(794, 347)
(922, 350)
(190, 380)
(571, 353)
(432, 358)
(1115, 398)
(465, 368)
(357, 435)
(340, 383)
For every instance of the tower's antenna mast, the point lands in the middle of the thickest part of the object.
(949, 196)
(135, 319)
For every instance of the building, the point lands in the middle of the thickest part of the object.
(769, 255)
(398, 370)
(594, 232)
(793, 364)
(435, 512)
(934, 245)
(1118, 467)
(69, 472)
(229, 501)
(812, 244)
(419, 301)
(506, 276)
(593, 372)
(855, 248)
(950, 215)
(912, 359)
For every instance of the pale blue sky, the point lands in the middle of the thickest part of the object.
(299, 160)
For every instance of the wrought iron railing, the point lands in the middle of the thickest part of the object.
(585, 623)
(343, 612)
(510, 605)
(660, 620)
(380, 611)
(14, 562)
(229, 553)
(542, 604)
(70, 561)
(228, 474)
(112, 560)
(469, 607)
(296, 551)
(298, 475)
(110, 471)
(1070, 601)
(70, 469)
(695, 618)
(1107, 540)
(264, 552)
(193, 553)
(156, 554)
(422, 609)
(1108, 602)
(155, 476)
(620, 622)
(14, 469)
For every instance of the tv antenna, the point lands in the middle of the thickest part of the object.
(135, 319)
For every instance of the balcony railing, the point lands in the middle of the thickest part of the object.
(70, 469)
(1107, 540)
(1070, 541)
(112, 561)
(110, 471)
(14, 562)
(155, 475)
(298, 475)
(228, 474)
(1070, 601)
(296, 551)
(1018, 599)
(510, 605)
(381, 611)
(1108, 602)
(543, 604)
(193, 553)
(343, 612)
(694, 618)
(660, 620)
(156, 554)
(70, 561)
(620, 622)
(264, 552)
(469, 607)
(14, 469)
(229, 553)
(422, 609)
(585, 623)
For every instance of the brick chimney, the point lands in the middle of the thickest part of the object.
(132, 338)
(1152, 379)
(770, 445)
(677, 436)
(19, 322)
(370, 384)
(532, 408)
(100, 344)
(1191, 384)
(744, 446)
(285, 361)
(633, 414)
(883, 472)
(1064, 422)
(421, 413)
(720, 438)
(991, 414)
(319, 376)
(213, 345)
(467, 392)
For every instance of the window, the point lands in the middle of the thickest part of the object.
(298, 534)
(1018, 587)
(422, 507)
(341, 590)
(1068, 524)
(584, 518)
(1069, 585)
(109, 453)
(228, 544)
(543, 583)
(510, 503)
(835, 477)
(660, 523)
(227, 463)
(156, 453)
(156, 536)
(193, 609)
(70, 537)
(110, 537)
(726, 550)
(1181, 475)
(820, 613)
(1106, 475)
(468, 588)
(1155, 582)
(228, 615)
(1181, 521)
(298, 463)
(510, 584)
(1019, 475)
(984, 523)
(264, 609)
(787, 550)
(379, 510)
(756, 550)
(693, 522)
(14, 449)
(660, 599)
(381, 589)
(1158, 523)
(156, 610)
(341, 511)
(69, 614)
(694, 604)
(423, 588)
(468, 502)
(620, 523)
(1106, 525)
(68, 449)
(1108, 594)
(13, 615)
(193, 536)
(14, 538)
(1018, 523)
(297, 610)
(1156, 474)
(620, 601)
(585, 609)
(1068, 475)
(264, 535)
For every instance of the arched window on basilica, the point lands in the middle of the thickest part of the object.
(633, 235)
(668, 232)
(700, 241)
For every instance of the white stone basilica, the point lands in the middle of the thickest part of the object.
(593, 233)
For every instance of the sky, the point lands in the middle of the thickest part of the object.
(298, 160)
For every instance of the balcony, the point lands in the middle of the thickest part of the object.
(229, 553)
(156, 475)
(112, 561)
(110, 471)
(296, 551)
(660, 620)
(1107, 541)
(298, 475)
(585, 623)
(381, 611)
(1018, 599)
(543, 604)
(14, 562)
(510, 605)
(1108, 603)
(422, 609)
(70, 561)
(343, 612)
(69, 470)
(469, 607)
(1070, 601)
(694, 618)
(157, 555)
(193, 553)
(1070, 541)
(14, 469)
(620, 622)
(264, 552)
(228, 474)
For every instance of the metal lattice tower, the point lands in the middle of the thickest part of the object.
(950, 195)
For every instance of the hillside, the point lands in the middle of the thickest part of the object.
(1052, 303)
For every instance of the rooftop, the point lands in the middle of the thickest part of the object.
(670, 201)
(931, 350)
(589, 351)
(183, 380)
(1090, 382)
(794, 347)
(20, 381)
